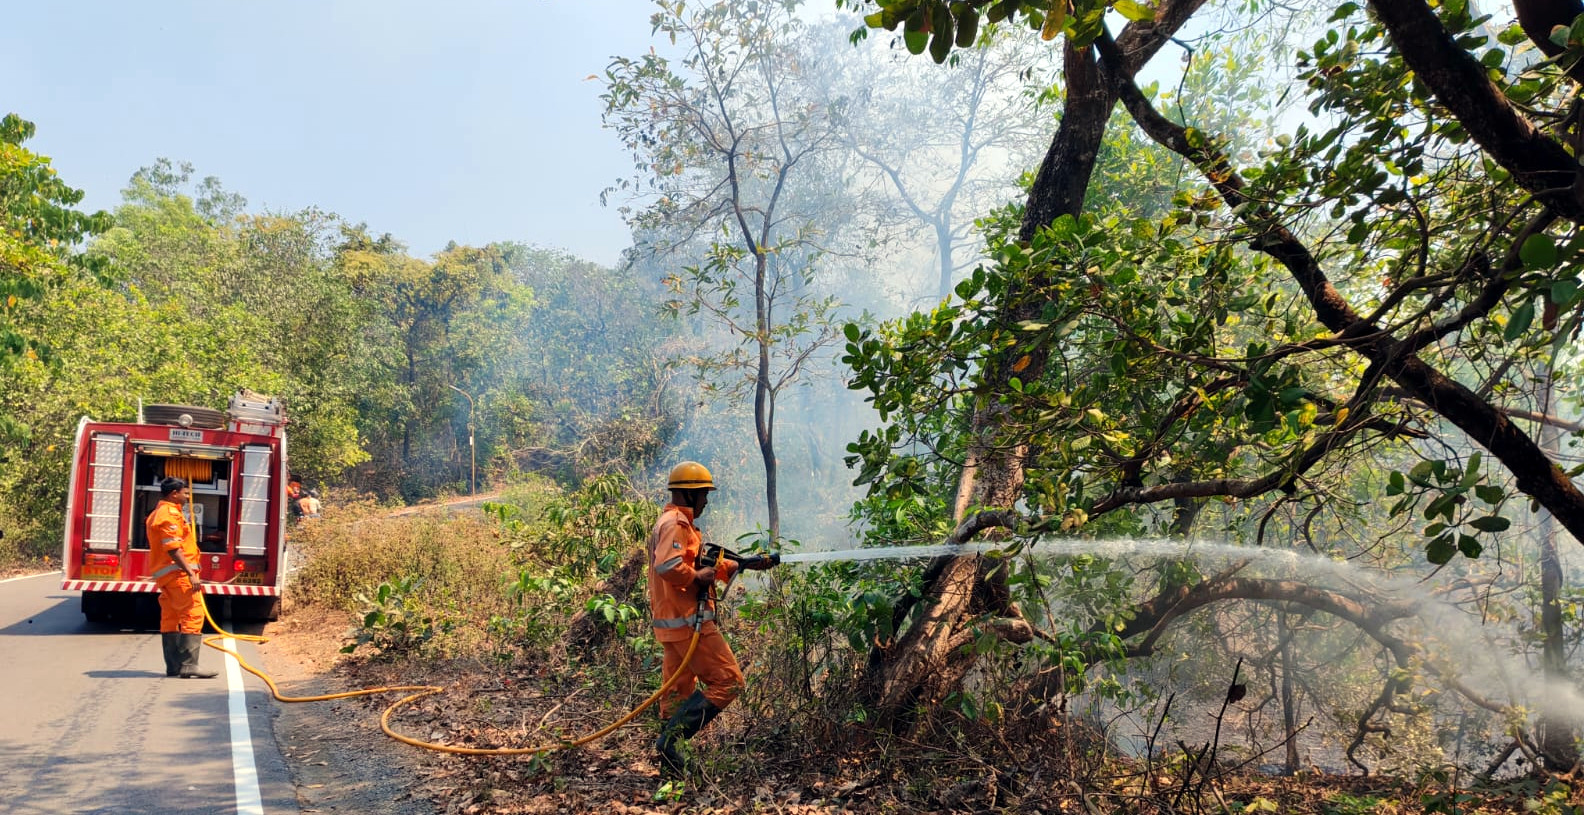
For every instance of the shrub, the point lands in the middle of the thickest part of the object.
(394, 621)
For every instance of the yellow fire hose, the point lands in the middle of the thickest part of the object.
(422, 691)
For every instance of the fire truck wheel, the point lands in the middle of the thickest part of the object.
(261, 609)
(98, 606)
(200, 417)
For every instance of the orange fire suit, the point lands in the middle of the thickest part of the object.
(674, 604)
(168, 530)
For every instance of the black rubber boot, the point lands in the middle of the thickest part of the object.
(171, 644)
(684, 724)
(191, 645)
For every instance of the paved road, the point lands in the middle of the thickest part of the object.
(92, 725)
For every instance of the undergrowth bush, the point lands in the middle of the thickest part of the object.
(24, 544)
(498, 584)
(394, 620)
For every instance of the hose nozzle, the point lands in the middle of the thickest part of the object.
(761, 562)
(713, 554)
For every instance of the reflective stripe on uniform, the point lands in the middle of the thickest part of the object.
(169, 541)
(685, 622)
(165, 571)
(668, 565)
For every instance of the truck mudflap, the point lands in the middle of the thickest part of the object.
(231, 589)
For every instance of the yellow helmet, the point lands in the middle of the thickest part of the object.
(691, 475)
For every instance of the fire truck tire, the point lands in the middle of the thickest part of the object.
(261, 609)
(202, 417)
(98, 606)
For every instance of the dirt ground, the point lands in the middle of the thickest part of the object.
(339, 759)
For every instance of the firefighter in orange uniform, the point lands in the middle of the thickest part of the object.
(675, 589)
(173, 563)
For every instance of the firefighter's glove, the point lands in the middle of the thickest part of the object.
(759, 563)
(720, 572)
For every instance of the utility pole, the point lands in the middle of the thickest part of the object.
(472, 451)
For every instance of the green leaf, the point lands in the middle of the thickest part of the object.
(1490, 494)
(1564, 292)
(967, 28)
(916, 42)
(1470, 547)
(1538, 252)
(1512, 35)
(1519, 322)
(1491, 523)
(1137, 12)
(1396, 484)
(1440, 550)
(941, 41)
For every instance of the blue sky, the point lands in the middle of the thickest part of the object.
(465, 120)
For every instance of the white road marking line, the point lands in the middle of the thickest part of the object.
(29, 576)
(248, 800)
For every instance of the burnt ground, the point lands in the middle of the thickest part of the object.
(342, 762)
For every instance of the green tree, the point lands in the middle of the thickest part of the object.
(446, 322)
(591, 395)
(724, 138)
(41, 239)
(194, 244)
(1399, 271)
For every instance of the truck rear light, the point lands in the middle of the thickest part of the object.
(240, 565)
(102, 560)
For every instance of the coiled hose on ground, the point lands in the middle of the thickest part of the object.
(416, 692)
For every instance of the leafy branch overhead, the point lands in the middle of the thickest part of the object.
(941, 27)
(1275, 324)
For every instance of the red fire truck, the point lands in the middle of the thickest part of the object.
(235, 461)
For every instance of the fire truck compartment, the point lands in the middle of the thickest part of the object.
(210, 480)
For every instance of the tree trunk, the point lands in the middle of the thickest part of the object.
(407, 420)
(967, 595)
(943, 249)
(1289, 700)
(1555, 736)
(764, 396)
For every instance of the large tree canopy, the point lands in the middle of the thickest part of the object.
(1382, 286)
